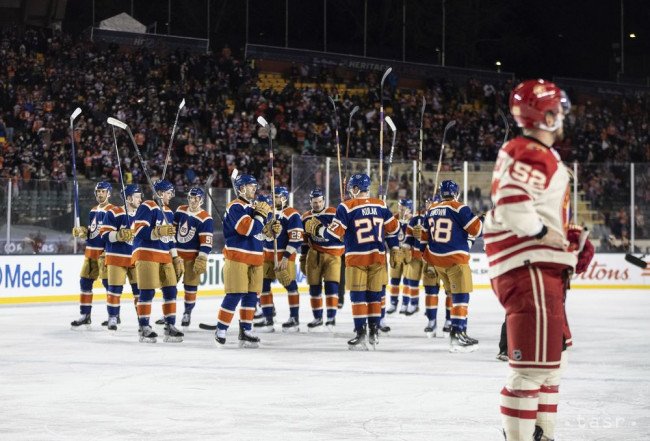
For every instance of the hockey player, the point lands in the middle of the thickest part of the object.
(194, 229)
(157, 263)
(403, 216)
(288, 231)
(244, 229)
(362, 223)
(448, 225)
(118, 236)
(320, 261)
(529, 259)
(93, 265)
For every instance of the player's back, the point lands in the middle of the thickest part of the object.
(448, 225)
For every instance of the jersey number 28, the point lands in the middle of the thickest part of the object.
(440, 229)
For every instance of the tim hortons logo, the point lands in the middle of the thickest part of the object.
(600, 271)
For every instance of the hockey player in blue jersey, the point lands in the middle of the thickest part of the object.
(397, 272)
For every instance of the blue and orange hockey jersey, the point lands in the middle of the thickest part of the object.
(242, 232)
(145, 248)
(289, 239)
(193, 232)
(448, 224)
(117, 253)
(327, 244)
(94, 242)
(362, 224)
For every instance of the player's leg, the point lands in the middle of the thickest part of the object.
(460, 280)
(315, 281)
(331, 274)
(170, 292)
(148, 275)
(116, 281)
(88, 274)
(266, 302)
(356, 279)
(236, 283)
(191, 282)
(431, 290)
(393, 288)
(247, 338)
(373, 298)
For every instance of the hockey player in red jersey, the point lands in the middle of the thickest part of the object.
(157, 263)
(363, 224)
(320, 261)
(118, 237)
(529, 259)
(194, 229)
(93, 265)
(244, 227)
(448, 226)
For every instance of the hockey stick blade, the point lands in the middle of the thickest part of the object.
(636, 261)
(390, 123)
(75, 114)
(207, 327)
(117, 123)
(182, 104)
(355, 110)
(261, 121)
(383, 78)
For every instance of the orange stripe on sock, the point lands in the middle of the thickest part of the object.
(169, 308)
(225, 316)
(359, 309)
(332, 301)
(431, 300)
(144, 309)
(316, 302)
(113, 300)
(266, 299)
(294, 300)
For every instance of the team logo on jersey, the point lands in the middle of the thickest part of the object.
(93, 229)
(401, 236)
(185, 233)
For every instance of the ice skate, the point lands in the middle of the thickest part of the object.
(172, 334)
(460, 342)
(291, 325)
(105, 322)
(315, 324)
(112, 324)
(160, 321)
(220, 337)
(502, 356)
(391, 308)
(373, 336)
(82, 322)
(358, 343)
(330, 324)
(430, 330)
(383, 327)
(187, 318)
(247, 339)
(403, 309)
(265, 326)
(446, 330)
(147, 335)
(411, 309)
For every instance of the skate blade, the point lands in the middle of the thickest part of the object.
(359, 347)
(248, 345)
(80, 328)
(315, 329)
(147, 340)
(291, 329)
(331, 328)
(169, 339)
(463, 349)
(265, 330)
(502, 358)
(431, 334)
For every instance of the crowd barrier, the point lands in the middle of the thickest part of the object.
(55, 278)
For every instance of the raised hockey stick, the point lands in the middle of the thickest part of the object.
(449, 125)
(418, 179)
(637, 261)
(75, 182)
(119, 169)
(261, 121)
(208, 185)
(171, 139)
(506, 124)
(117, 123)
(347, 147)
(381, 131)
(338, 145)
(391, 124)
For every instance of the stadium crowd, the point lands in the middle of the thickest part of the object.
(44, 76)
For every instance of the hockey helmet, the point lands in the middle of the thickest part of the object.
(243, 180)
(361, 181)
(316, 193)
(163, 185)
(408, 203)
(448, 189)
(264, 198)
(282, 191)
(103, 185)
(532, 99)
(196, 191)
(132, 189)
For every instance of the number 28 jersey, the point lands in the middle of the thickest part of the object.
(362, 225)
(447, 227)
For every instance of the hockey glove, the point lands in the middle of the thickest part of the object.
(262, 208)
(396, 257)
(303, 264)
(430, 270)
(80, 232)
(160, 231)
(124, 235)
(179, 267)
(408, 255)
(283, 277)
(200, 264)
(312, 226)
(276, 228)
(417, 231)
(267, 230)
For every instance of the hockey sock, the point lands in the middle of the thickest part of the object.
(190, 297)
(266, 299)
(414, 286)
(393, 287)
(459, 311)
(431, 301)
(448, 305)
(359, 308)
(105, 284)
(374, 307)
(86, 297)
(406, 293)
(316, 300)
(294, 299)
(227, 310)
(549, 398)
(331, 298)
(136, 295)
(247, 310)
(169, 306)
(113, 300)
(518, 412)
(144, 306)
(383, 301)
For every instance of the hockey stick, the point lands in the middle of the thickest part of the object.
(75, 182)
(347, 147)
(208, 184)
(171, 139)
(261, 121)
(449, 125)
(119, 169)
(381, 131)
(637, 261)
(338, 145)
(391, 124)
(419, 165)
(207, 327)
(506, 124)
(123, 126)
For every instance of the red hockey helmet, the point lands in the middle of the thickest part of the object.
(532, 99)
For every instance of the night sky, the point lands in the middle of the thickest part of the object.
(575, 38)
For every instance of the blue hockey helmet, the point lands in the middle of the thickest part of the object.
(448, 189)
(196, 191)
(103, 185)
(163, 185)
(243, 180)
(361, 181)
(316, 193)
(282, 191)
(264, 198)
(408, 203)
(132, 189)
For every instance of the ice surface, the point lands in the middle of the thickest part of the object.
(58, 384)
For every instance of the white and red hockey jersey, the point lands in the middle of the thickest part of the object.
(530, 189)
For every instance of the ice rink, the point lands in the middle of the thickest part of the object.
(58, 384)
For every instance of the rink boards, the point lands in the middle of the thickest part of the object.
(55, 278)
